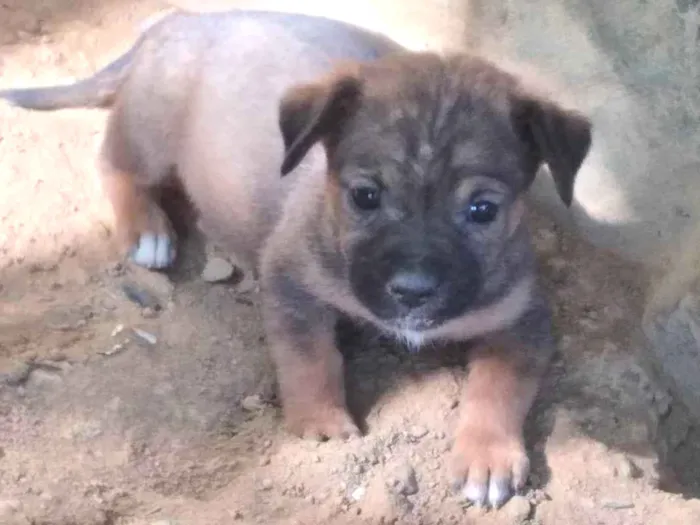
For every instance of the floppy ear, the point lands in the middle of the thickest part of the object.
(557, 136)
(312, 112)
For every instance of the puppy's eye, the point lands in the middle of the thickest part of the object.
(366, 198)
(482, 211)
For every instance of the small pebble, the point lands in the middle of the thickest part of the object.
(417, 432)
(252, 403)
(517, 509)
(358, 493)
(264, 461)
(146, 336)
(246, 284)
(217, 270)
(117, 330)
(18, 375)
(403, 480)
(116, 270)
(114, 350)
(41, 378)
(626, 468)
(266, 484)
(149, 313)
(617, 505)
(164, 522)
(139, 296)
(69, 326)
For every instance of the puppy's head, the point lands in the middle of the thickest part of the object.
(428, 158)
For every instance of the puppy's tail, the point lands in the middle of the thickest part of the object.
(97, 91)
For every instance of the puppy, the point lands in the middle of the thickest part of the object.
(417, 227)
(401, 203)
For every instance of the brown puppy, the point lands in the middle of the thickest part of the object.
(416, 227)
(401, 204)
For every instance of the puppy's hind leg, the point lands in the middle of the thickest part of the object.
(144, 231)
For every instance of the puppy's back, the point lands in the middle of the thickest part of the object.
(203, 97)
(169, 43)
(185, 53)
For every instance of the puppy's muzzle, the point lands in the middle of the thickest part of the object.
(415, 280)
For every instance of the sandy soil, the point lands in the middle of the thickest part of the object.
(129, 397)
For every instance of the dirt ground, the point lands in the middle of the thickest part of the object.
(129, 397)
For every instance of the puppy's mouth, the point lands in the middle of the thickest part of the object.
(413, 332)
(413, 323)
(399, 317)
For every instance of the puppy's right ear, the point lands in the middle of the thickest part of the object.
(312, 112)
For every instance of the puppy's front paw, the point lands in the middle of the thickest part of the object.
(488, 464)
(320, 423)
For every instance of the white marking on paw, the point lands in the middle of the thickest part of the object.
(163, 251)
(498, 493)
(154, 251)
(474, 493)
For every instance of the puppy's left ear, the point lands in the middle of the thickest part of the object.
(313, 112)
(560, 137)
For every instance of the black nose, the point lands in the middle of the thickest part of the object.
(412, 289)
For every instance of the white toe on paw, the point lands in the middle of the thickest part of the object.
(488, 467)
(165, 251)
(154, 251)
(499, 492)
(475, 493)
(493, 493)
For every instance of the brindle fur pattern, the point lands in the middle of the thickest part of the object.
(223, 100)
(430, 132)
